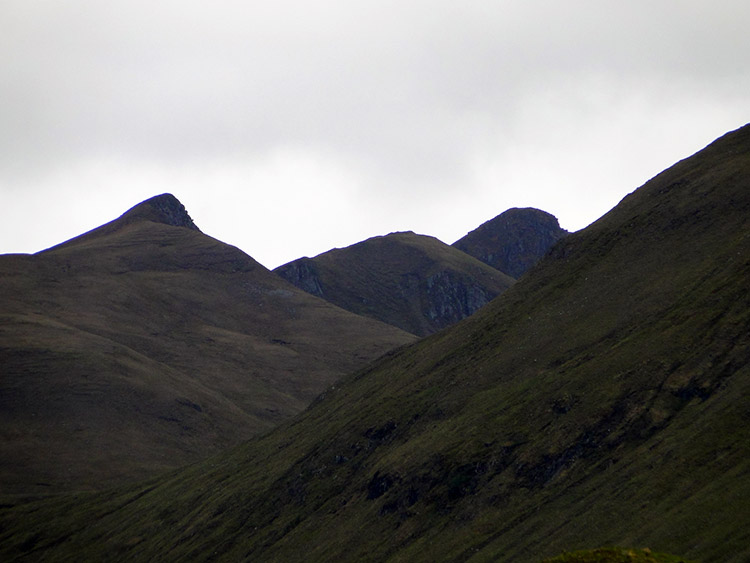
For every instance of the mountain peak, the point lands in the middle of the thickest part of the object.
(411, 281)
(164, 208)
(513, 241)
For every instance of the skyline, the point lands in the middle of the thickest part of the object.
(291, 129)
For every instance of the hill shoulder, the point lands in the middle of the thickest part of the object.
(414, 282)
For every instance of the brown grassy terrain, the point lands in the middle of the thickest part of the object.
(142, 345)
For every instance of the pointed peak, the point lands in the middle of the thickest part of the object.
(164, 208)
(513, 241)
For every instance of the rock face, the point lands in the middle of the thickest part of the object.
(513, 241)
(450, 298)
(414, 282)
(303, 274)
(164, 208)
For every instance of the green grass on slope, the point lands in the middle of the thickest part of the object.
(616, 555)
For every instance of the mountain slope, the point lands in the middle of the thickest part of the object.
(145, 344)
(513, 241)
(603, 399)
(411, 281)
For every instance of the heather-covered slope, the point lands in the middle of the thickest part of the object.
(145, 344)
(615, 555)
(602, 400)
(513, 241)
(411, 281)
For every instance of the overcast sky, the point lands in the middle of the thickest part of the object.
(288, 128)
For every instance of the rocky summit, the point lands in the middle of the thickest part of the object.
(164, 208)
(513, 241)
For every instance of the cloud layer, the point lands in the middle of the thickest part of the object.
(290, 127)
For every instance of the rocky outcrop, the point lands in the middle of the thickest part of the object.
(513, 241)
(450, 297)
(164, 208)
(303, 274)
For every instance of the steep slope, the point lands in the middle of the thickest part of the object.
(411, 281)
(145, 344)
(603, 399)
(616, 555)
(513, 241)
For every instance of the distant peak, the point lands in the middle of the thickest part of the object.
(513, 241)
(164, 208)
(526, 213)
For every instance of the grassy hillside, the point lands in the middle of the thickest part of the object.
(411, 281)
(602, 400)
(615, 555)
(146, 344)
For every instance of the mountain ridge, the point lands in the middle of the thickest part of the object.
(414, 282)
(601, 399)
(146, 344)
(164, 209)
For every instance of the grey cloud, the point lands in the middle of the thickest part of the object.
(382, 78)
(404, 94)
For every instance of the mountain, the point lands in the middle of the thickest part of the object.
(601, 400)
(414, 282)
(513, 241)
(146, 344)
